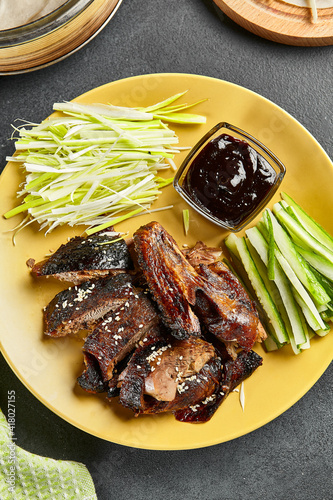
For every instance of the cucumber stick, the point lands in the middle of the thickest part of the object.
(271, 343)
(287, 262)
(308, 305)
(297, 262)
(320, 263)
(274, 293)
(294, 227)
(283, 285)
(259, 287)
(308, 223)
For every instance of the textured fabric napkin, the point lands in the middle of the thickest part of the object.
(24, 475)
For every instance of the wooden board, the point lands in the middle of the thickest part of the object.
(54, 46)
(280, 21)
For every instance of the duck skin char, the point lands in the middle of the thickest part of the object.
(168, 374)
(235, 371)
(80, 307)
(82, 259)
(117, 334)
(226, 310)
(91, 379)
(188, 295)
(170, 278)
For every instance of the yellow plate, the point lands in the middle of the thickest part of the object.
(49, 367)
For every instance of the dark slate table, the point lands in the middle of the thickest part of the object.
(290, 458)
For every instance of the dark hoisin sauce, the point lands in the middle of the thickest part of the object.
(228, 178)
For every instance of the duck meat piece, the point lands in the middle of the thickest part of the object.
(227, 311)
(235, 371)
(201, 254)
(231, 285)
(80, 307)
(131, 379)
(168, 375)
(178, 287)
(82, 259)
(119, 332)
(170, 278)
(91, 379)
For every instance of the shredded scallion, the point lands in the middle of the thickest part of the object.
(186, 220)
(98, 164)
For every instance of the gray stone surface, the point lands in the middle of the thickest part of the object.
(291, 458)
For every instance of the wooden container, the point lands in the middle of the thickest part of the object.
(280, 21)
(55, 36)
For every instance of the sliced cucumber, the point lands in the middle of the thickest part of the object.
(293, 225)
(261, 291)
(310, 225)
(299, 265)
(320, 263)
(282, 283)
(310, 314)
(298, 287)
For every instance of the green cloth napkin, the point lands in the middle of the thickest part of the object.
(24, 475)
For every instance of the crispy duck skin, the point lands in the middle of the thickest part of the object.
(176, 286)
(231, 285)
(80, 307)
(82, 259)
(165, 376)
(119, 332)
(235, 371)
(131, 380)
(91, 379)
(226, 311)
(171, 279)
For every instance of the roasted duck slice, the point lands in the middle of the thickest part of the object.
(167, 375)
(119, 332)
(186, 294)
(171, 279)
(226, 310)
(235, 371)
(80, 307)
(231, 285)
(82, 259)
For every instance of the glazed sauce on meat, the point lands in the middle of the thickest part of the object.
(228, 178)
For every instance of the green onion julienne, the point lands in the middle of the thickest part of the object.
(99, 164)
